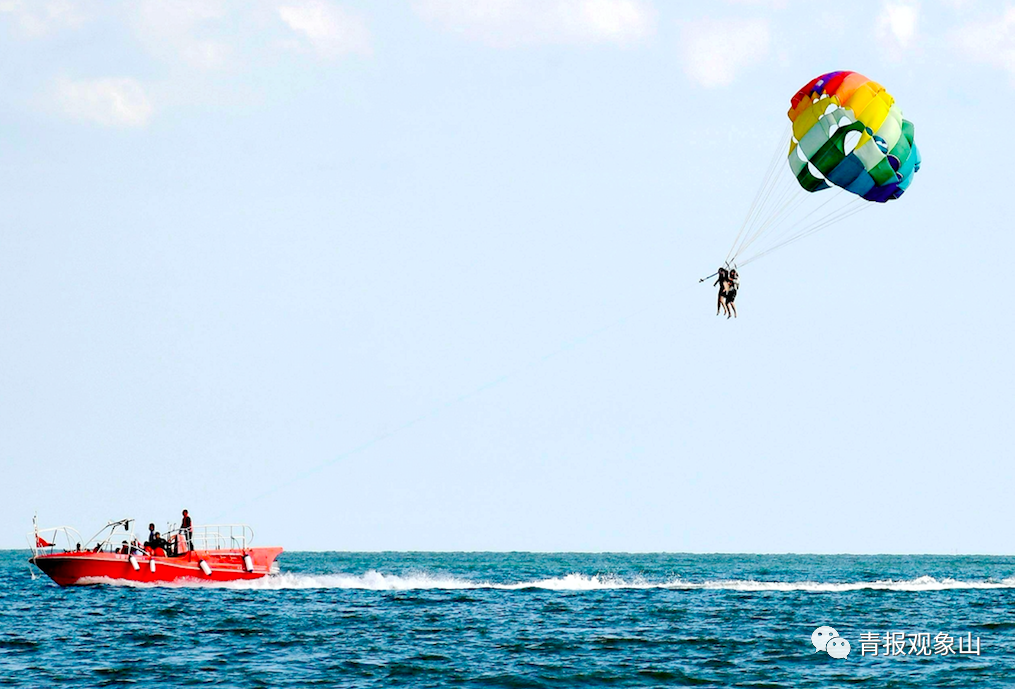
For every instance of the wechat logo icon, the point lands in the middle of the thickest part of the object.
(828, 640)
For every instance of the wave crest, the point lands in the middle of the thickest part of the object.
(377, 581)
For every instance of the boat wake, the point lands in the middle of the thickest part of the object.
(377, 581)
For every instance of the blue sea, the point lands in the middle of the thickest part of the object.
(524, 620)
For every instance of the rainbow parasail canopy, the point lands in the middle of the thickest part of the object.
(848, 132)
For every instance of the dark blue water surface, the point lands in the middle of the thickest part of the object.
(518, 620)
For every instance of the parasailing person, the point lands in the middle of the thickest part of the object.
(722, 281)
(732, 285)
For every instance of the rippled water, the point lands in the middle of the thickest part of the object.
(517, 620)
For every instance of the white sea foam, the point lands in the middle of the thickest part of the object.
(370, 581)
(377, 581)
(924, 583)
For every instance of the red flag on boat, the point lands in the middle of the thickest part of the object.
(41, 542)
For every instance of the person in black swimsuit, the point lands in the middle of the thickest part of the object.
(722, 281)
(731, 293)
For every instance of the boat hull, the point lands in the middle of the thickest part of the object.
(79, 568)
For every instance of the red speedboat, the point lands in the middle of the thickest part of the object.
(212, 553)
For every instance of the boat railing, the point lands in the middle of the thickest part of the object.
(53, 539)
(113, 536)
(218, 536)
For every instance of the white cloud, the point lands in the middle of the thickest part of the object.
(112, 102)
(187, 30)
(331, 30)
(714, 51)
(897, 22)
(767, 4)
(504, 23)
(990, 42)
(38, 19)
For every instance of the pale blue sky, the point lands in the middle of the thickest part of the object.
(241, 239)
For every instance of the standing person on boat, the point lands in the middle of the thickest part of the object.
(187, 529)
(722, 281)
(150, 543)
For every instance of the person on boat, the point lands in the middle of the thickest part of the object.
(187, 529)
(151, 536)
(731, 293)
(124, 548)
(158, 545)
(722, 281)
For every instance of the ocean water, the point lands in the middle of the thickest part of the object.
(524, 620)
